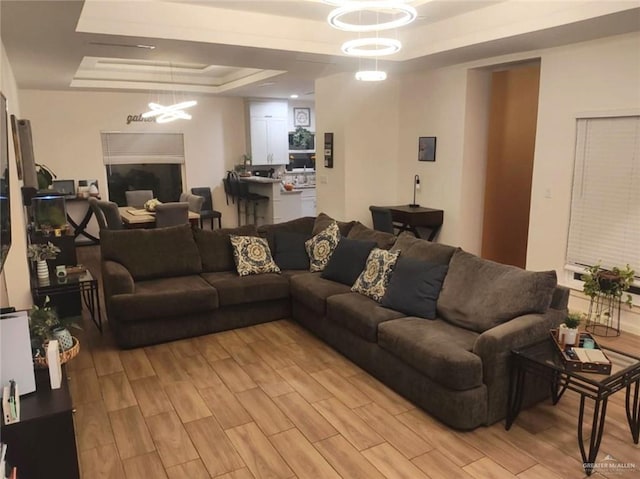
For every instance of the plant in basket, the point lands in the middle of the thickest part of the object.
(45, 325)
(614, 282)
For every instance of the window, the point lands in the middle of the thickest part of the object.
(144, 161)
(605, 202)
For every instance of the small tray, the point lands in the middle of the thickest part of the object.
(571, 360)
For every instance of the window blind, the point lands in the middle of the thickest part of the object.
(124, 148)
(605, 202)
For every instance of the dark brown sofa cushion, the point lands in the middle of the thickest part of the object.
(234, 289)
(313, 291)
(303, 225)
(359, 314)
(438, 349)
(152, 253)
(215, 246)
(479, 294)
(413, 247)
(361, 232)
(323, 221)
(160, 298)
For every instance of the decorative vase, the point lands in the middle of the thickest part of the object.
(570, 336)
(42, 269)
(64, 338)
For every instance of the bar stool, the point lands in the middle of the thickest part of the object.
(240, 191)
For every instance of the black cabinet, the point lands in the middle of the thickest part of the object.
(43, 443)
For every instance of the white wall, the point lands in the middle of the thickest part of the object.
(14, 282)
(66, 130)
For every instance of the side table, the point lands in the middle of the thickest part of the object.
(543, 359)
(83, 283)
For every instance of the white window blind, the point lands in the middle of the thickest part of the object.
(605, 202)
(123, 148)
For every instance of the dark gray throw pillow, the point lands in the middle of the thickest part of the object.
(414, 287)
(290, 252)
(348, 260)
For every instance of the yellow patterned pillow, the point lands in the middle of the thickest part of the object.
(321, 246)
(252, 255)
(373, 281)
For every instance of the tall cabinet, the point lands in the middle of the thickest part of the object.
(269, 133)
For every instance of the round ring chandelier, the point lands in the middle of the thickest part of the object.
(371, 75)
(378, 47)
(409, 14)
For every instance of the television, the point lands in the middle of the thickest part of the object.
(5, 198)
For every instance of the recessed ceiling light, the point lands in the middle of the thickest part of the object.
(371, 75)
(267, 83)
(106, 44)
(294, 96)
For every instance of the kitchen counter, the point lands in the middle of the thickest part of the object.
(259, 179)
(282, 205)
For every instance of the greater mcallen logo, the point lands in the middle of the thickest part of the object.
(138, 117)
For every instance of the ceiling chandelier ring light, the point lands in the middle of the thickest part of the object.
(408, 12)
(371, 75)
(165, 114)
(371, 47)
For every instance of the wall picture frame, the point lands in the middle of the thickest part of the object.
(427, 148)
(302, 117)
(16, 145)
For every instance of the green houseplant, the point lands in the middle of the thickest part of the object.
(44, 323)
(42, 251)
(302, 138)
(613, 283)
(573, 320)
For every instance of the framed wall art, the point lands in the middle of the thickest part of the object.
(16, 146)
(302, 117)
(427, 148)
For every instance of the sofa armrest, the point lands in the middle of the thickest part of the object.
(116, 279)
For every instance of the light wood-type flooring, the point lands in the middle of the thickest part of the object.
(273, 401)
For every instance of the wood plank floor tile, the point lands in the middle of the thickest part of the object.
(164, 363)
(116, 391)
(393, 431)
(348, 423)
(184, 348)
(200, 373)
(187, 401)
(233, 375)
(301, 381)
(438, 466)
(229, 340)
(485, 467)
(384, 397)
(249, 334)
(225, 407)
(92, 426)
(301, 456)
(83, 360)
(171, 439)
(257, 452)
(239, 474)
(244, 355)
(150, 396)
(493, 442)
(274, 333)
(144, 467)
(215, 450)
(346, 459)
(266, 350)
(102, 462)
(269, 381)
(350, 395)
(189, 470)
(131, 433)
(264, 411)
(459, 452)
(538, 472)
(390, 462)
(136, 364)
(307, 419)
(84, 386)
(106, 359)
(210, 348)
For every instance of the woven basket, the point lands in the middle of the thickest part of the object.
(41, 361)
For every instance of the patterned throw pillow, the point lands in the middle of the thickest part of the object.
(252, 255)
(321, 246)
(373, 281)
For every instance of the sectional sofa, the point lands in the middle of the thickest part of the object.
(178, 282)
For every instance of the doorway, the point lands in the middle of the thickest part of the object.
(511, 145)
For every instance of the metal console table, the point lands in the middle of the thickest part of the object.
(84, 283)
(543, 359)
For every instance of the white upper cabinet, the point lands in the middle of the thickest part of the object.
(269, 133)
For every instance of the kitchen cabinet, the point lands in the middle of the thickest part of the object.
(269, 133)
(308, 200)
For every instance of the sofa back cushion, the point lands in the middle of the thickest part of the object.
(413, 247)
(215, 247)
(360, 232)
(303, 226)
(323, 221)
(152, 253)
(479, 294)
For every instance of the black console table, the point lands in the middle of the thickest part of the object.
(417, 219)
(43, 443)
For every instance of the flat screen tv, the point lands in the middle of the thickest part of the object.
(5, 210)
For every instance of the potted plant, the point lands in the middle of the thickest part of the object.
(44, 325)
(302, 139)
(570, 329)
(40, 253)
(612, 283)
